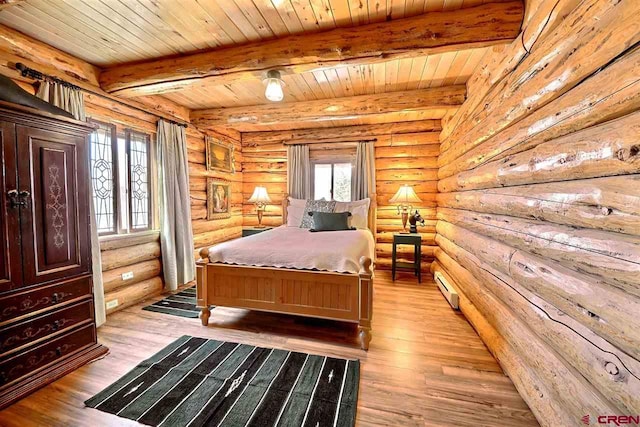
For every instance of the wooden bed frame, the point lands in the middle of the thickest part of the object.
(326, 295)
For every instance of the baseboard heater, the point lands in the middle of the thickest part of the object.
(447, 290)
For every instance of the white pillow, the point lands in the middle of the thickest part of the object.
(359, 212)
(295, 212)
(297, 202)
(359, 217)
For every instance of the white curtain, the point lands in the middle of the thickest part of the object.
(67, 98)
(363, 182)
(176, 237)
(298, 172)
(72, 100)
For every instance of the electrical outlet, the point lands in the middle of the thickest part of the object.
(127, 276)
(112, 304)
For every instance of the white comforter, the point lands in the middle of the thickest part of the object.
(293, 247)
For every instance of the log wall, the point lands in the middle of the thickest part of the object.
(538, 211)
(209, 232)
(405, 154)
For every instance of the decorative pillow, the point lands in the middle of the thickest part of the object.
(315, 206)
(330, 221)
(295, 211)
(359, 209)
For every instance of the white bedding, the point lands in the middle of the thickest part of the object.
(293, 247)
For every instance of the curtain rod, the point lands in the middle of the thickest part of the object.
(331, 141)
(37, 75)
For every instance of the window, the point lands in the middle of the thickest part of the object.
(121, 179)
(139, 185)
(103, 174)
(332, 181)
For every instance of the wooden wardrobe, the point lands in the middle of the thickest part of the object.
(47, 326)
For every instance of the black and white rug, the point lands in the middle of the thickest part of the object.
(181, 304)
(200, 382)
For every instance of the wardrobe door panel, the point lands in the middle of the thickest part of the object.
(54, 218)
(10, 260)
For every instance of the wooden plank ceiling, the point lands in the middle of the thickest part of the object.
(108, 33)
(423, 72)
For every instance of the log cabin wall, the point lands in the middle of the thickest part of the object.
(405, 154)
(209, 232)
(138, 253)
(539, 208)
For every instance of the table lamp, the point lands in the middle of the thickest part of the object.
(404, 197)
(260, 198)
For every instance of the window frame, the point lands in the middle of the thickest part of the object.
(119, 230)
(332, 162)
(147, 138)
(116, 184)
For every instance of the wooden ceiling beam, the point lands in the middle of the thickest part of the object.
(351, 107)
(298, 136)
(435, 32)
(5, 4)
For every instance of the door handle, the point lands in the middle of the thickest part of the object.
(15, 199)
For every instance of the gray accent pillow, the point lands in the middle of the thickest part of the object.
(315, 206)
(330, 221)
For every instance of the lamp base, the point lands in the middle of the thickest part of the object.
(260, 226)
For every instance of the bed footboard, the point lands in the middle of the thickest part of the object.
(201, 286)
(327, 295)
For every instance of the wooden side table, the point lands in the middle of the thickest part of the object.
(250, 231)
(414, 239)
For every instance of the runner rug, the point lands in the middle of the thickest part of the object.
(200, 382)
(181, 304)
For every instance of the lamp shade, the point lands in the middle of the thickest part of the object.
(405, 195)
(260, 195)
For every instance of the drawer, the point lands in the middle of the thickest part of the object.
(16, 367)
(30, 301)
(407, 239)
(32, 329)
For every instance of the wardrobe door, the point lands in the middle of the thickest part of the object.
(10, 262)
(53, 184)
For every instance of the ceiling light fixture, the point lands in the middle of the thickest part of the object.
(274, 83)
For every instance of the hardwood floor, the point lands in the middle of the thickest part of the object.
(426, 365)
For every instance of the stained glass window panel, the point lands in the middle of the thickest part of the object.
(139, 185)
(102, 178)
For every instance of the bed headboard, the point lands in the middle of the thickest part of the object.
(371, 218)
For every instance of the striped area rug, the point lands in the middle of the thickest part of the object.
(200, 382)
(181, 304)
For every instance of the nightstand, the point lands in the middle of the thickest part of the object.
(415, 240)
(250, 231)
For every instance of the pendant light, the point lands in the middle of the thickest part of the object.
(274, 83)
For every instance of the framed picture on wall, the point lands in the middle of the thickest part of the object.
(219, 156)
(218, 199)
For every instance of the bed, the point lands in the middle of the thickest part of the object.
(293, 275)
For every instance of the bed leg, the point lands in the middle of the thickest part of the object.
(204, 316)
(366, 302)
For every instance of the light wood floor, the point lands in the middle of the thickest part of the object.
(426, 365)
